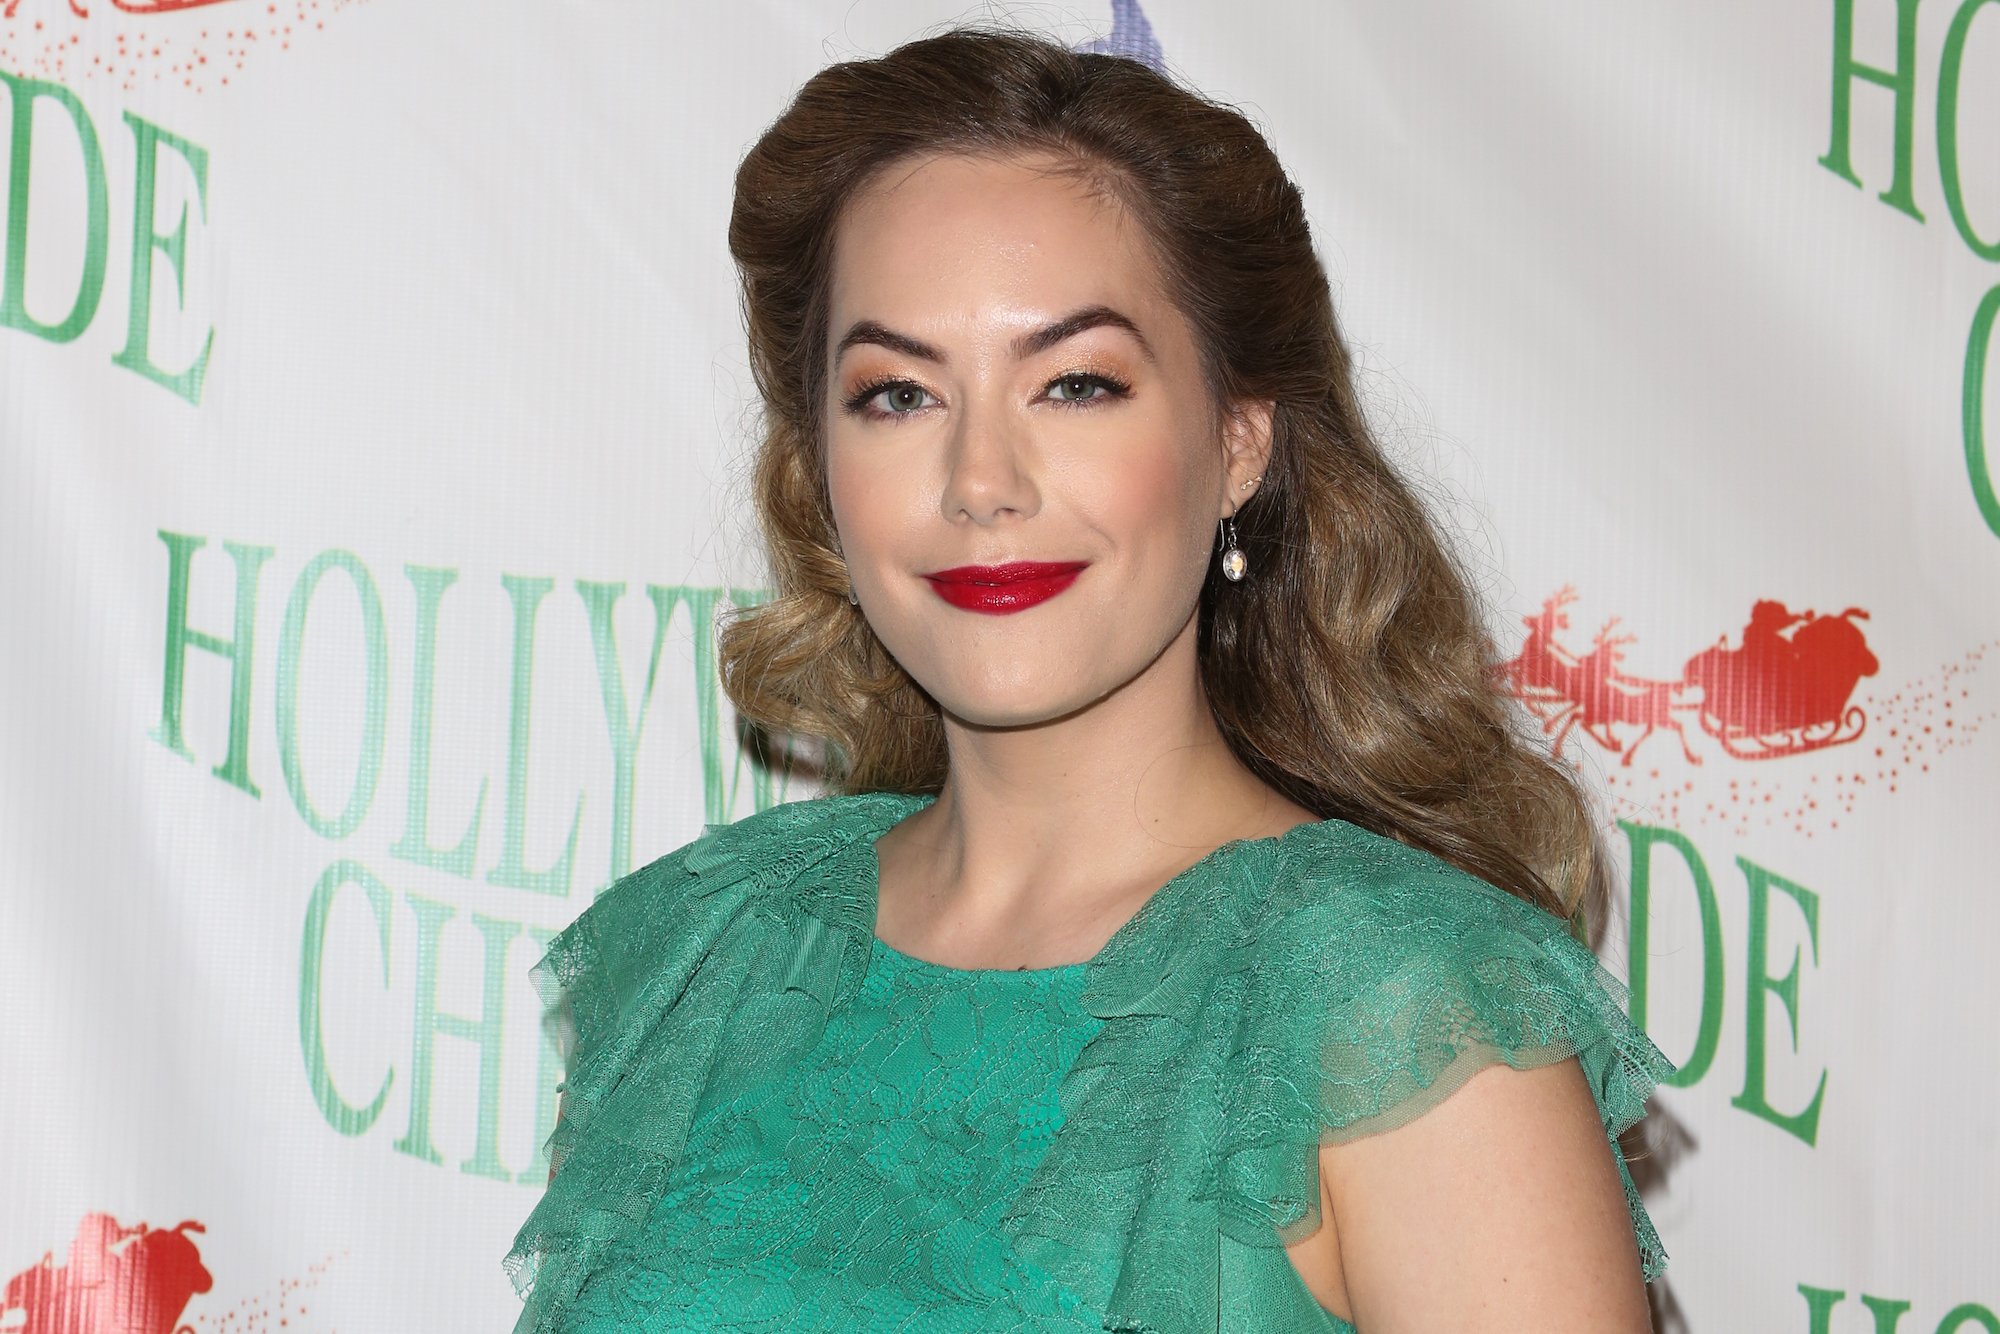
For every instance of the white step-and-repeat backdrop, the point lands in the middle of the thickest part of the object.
(373, 439)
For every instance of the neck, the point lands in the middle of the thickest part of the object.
(1071, 819)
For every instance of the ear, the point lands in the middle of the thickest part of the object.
(1246, 450)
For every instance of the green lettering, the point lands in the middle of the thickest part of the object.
(21, 93)
(1805, 1124)
(513, 872)
(1973, 410)
(1887, 1314)
(137, 355)
(1642, 839)
(341, 1114)
(1902, 80)
(180, 637)
(375, 639)
(621, 722)
(486, 1031)
(415, 844)
(1819, 1307)
(1949, 61)
(721, 801)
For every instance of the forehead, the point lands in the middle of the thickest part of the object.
(950, 234)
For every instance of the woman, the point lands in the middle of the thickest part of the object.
(1189, 942)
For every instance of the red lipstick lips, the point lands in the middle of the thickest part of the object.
(1000, 589)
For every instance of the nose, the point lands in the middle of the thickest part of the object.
(990, 468)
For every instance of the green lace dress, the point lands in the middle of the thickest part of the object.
(773, 1121)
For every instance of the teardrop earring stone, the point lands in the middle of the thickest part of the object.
(1234, 563)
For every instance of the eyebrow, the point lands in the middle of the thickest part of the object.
(1025, 346)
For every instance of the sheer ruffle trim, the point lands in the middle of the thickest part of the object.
(1319, 987)
(643, 1023)
(1378, 1000)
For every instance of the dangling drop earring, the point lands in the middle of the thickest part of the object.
(1234, 563)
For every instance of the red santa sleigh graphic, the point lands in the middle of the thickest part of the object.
(1783, 691)
(1784, 695)
(117, 1280)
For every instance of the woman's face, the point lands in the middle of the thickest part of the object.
(972, 419)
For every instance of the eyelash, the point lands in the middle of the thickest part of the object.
(857, 403)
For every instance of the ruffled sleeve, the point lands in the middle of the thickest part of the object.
(1384, 978)
(650, 986)
(1282, 994)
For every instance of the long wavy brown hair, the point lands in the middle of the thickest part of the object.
(1350, 670)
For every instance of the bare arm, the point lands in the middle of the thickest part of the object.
(1500, 1209)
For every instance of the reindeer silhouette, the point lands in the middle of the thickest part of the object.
(1590, 692)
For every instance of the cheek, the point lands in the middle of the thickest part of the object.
(883, 513)
(1156, 502)
(861, 500)
(844, 495)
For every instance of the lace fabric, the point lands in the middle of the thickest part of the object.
(862, 1187)
(1318, 985)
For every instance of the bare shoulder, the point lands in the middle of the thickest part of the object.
(1500, 1208)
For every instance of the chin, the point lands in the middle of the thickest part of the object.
(1010, 702)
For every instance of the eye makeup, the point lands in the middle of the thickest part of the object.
(858, 401)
